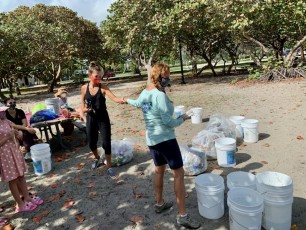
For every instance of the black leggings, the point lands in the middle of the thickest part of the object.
(93, 126)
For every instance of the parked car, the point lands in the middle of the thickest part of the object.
(108, 74)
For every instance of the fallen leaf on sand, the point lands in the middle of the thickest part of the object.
(92, 194)
(37, 218)
(300, 138)
(137, 147)
(264, 162)
(266, 145)
(137, 219)
(68, 204)
(58, 159)
(66, 156)
(120, 182)
(54, 185)
(62, 193)
(52, 175)
(138, 195)
(80, 166)
(142, 132)
(80, 218)
(54, 197)
(90, 185)
(45, 213)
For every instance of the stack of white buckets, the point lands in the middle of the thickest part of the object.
(264, 200)
(254, 201)
(41, 156)
(196, 113)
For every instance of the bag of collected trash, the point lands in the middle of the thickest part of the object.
(122, 151)
(43, 115)
(220, 124)
(194, 160)
(205, 141)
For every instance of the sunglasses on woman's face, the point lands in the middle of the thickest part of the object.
(12, 103)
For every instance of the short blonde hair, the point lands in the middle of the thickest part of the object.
(158, 71)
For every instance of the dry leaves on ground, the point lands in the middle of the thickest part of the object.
(300, 138)
(80, 218)
(137, 219)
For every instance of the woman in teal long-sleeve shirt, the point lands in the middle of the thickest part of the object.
(160, 137)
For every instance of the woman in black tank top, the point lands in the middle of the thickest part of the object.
(93, 103)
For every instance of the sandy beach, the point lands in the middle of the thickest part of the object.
(77, 197)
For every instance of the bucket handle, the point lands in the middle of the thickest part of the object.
(247, 228)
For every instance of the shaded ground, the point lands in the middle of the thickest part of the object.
(73, 188)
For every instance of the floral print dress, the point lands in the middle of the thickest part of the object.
(12, 164)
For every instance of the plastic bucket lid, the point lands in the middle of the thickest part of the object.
(274, 182)
(249, 123)
(40, 147)
(209, 182)
(225, 142)
(245, 200)
(241, 179)
(237, 119)
(197, 110)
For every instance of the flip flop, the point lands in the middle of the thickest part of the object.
(3, 222)
(27, 207)
(36, 199)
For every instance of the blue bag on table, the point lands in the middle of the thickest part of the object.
(43, 115)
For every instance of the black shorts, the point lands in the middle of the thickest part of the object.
(167, 152)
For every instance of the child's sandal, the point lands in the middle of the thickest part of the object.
(37, 200)
(27, 207)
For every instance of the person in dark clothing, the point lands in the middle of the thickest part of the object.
(93, 103)
(18, 117)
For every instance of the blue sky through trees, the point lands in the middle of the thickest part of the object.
(93, 10)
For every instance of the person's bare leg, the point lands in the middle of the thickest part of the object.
(108, 158)
(96, 154)
(15, 192)
(179, 189)
(159, 183)
(23, 190)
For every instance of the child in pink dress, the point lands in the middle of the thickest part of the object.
(13, 166)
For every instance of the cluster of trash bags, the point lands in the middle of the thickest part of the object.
(122, 151)
(194, 156)
(203, 144)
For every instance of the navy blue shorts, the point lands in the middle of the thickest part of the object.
(167, 152)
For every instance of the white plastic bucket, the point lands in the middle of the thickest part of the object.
(210, 194)
(237, 121)
(277, 191)
(41, 156)
(226, 149)
(179, 110)
(245, 209)
(241, 179)
(196, 117)
(250, 130)
(53, 104)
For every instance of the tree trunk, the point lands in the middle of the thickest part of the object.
(209, 64)
(148, 65)
(302, 55)
(56, 76)
(290, 58)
